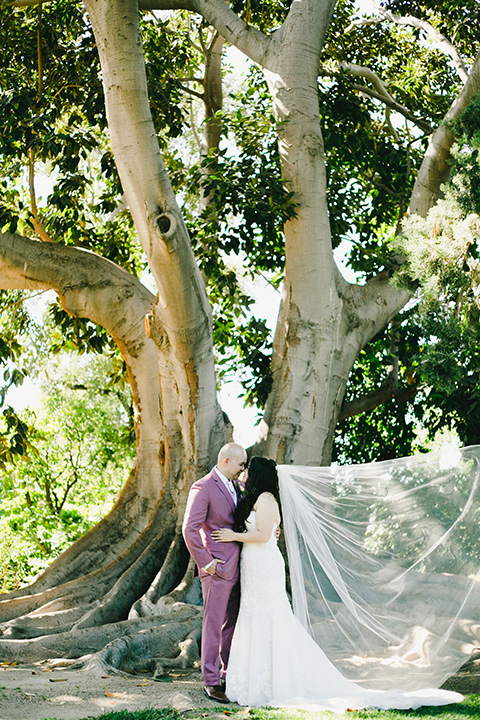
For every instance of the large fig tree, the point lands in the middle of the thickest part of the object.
(358, 109)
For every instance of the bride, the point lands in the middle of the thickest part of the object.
(274, 660)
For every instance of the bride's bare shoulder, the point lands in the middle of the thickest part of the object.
(267, 497)
(266, 501)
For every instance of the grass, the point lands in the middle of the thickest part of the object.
(470, 708)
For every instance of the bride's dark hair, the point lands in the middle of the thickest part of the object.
(262, 477)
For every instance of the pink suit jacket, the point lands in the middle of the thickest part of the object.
(211, 507)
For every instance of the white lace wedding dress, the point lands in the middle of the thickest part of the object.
(273, 659)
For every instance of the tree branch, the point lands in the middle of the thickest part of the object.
(190, 79)
(23, 299)
(200, 96)
(213, 100)
(371, 400)
(386, 391)
(50, 497)
(217, 13)
(388, 100)
(87, 284)
(374, 304)
(379, 92)
(69, 486)
(167, 5)
(196, 137)
(39, 49)
(24, 3)
(39, 229)
(203, 44)
(440, 40)
(432, 174)
(434, 170)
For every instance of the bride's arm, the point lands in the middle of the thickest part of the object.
(267, 515)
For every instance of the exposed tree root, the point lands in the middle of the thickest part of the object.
(36, 624)
(173, 570)
(150, 650)
(115, 605)
(169, 630)
(188, 591)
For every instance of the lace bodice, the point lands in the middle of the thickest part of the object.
(251, 523)
(262, 571)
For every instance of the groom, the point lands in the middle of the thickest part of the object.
(211, 505)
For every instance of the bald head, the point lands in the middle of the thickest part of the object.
(232, 460)
(232, 450)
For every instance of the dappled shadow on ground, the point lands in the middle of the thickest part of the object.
(37, 692)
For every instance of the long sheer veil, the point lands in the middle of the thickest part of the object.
(384, 563)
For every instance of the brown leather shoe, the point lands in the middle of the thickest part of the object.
(215, 692)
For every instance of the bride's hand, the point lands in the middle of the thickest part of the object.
(223, 535)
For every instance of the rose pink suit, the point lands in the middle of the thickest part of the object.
(211, 507)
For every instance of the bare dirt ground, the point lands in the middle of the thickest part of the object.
(38, 692)
(35, 692)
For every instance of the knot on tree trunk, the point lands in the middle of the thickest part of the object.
(167, 224)
(163, 222)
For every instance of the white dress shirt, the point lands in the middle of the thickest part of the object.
(228, 484)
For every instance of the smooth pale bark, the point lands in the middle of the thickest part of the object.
(180, 322)
(323, 321)
(178, 420)
(173, 569)
(98, 579)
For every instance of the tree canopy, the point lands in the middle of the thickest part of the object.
(372, 153)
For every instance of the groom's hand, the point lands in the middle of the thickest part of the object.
(212, 568)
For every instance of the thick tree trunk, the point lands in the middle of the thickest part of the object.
(89, 286)
(179, 423)
(322, 325)
(180, 322)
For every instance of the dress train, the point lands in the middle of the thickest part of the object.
(273, 659)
